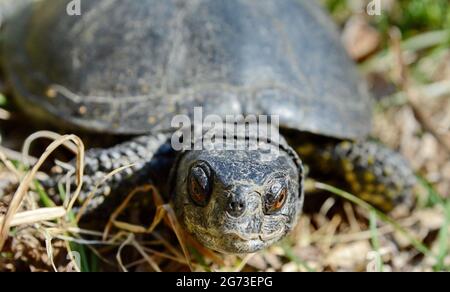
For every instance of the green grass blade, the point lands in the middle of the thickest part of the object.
(89, 261)
(375, 241)
(3, 100)
(433, 198)
(84, 260)
(444, 241)
(417, 43)
(43, 196)
(426, 40)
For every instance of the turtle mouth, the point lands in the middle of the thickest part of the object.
(249, 237)
(237, 243)
(233, 243)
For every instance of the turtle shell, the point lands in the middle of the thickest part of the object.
(130, 66)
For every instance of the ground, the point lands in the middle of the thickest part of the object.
(403, 54)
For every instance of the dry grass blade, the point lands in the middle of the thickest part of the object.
(9, 164)
(14, 155)
(159, 216)
(112, 220)
(243, 263)
(35, 216)
(180, 260)
(136, 229)
(4, 114)
(168, 245)
(126, 242)
(28, 179)
(149, 260)
(173, 222)
(49, 247)
(39, 135)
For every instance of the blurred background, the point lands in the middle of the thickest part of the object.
(402, 48)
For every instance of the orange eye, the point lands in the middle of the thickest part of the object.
(281, 199)
(276, 198)
(199, 185)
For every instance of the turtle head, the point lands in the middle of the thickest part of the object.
(238, 201)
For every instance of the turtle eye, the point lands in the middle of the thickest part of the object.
(199, 185)
(276, 197)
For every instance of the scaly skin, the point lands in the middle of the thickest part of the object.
(377, 174)
(367, 169)
(144, 153)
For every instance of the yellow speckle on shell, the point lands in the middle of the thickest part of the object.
(366, 196)
(51, 92)
(346, 145)
(82, 110)
(350, 177)
(381, 188)
(347, 165)
(370, 188)
(356, 187)
(391, 194)
(369, 177)
(377, 200)
(306, 149)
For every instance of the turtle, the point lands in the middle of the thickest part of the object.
(132, 68)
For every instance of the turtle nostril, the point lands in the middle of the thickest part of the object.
(236, 207)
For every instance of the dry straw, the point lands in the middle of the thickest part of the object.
(13, 217)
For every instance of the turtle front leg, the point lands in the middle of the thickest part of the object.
(369, 170)
(141, 159)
